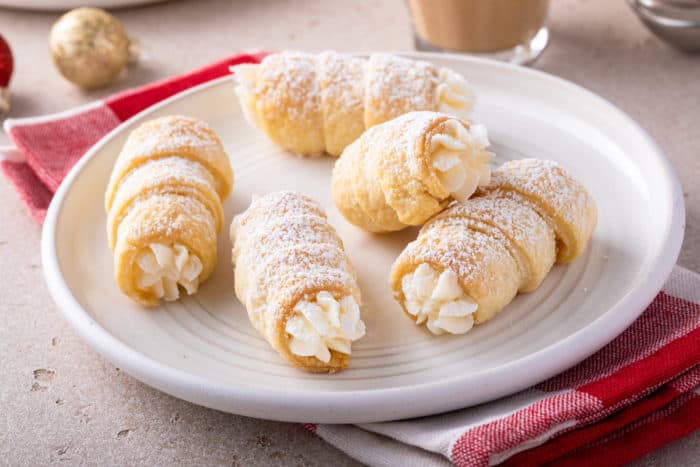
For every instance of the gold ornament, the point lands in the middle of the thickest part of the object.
(90, 47)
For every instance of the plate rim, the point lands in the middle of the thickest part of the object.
(65, 5)
(270, 403)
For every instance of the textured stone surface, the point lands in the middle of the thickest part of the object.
(62, 401)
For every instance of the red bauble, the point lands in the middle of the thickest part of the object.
(6, 63)
(6, 67)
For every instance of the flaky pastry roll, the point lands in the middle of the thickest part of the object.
(320, 103)
(164, 209)
(296, 282)
(408, 169)
(473, 258)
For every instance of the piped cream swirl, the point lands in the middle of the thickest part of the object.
(163, 268)
(438, 300)
(322, 324)
(454, 95)
(461, 159)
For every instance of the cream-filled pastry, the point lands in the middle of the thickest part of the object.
(320, 103)
(408, 169)
(164, 209)
(469, 261)
(322, 324)
(296, 281)
(438, 300)
(454, 95)
(163, 268)
(460, 157)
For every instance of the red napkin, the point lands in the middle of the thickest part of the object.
(636, 394)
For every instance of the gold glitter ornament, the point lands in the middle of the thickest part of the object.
(90, 47)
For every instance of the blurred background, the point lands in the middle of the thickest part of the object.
(599, 44)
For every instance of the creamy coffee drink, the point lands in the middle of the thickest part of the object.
(479, 26)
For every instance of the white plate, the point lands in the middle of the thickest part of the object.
(203, 349)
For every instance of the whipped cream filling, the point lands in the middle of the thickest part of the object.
(460, 157)
(322, 324)
(162, 268)
(454, 95)
(438, 300)
(245, 77)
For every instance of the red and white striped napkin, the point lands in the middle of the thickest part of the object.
(635, 395)
(638, 393)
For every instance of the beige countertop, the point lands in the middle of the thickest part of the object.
(84, 410)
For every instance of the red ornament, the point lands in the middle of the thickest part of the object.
(6, 67)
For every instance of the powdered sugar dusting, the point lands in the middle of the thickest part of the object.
(527, 237)
(172, 168)
(450, 245)
(339, 73)
(505, 230)
(294, 86)
(273, 207)
(319, 94)
(170, 175)
(560, 199)
(283, 245)
(405, 138)
(519, 222)
(543, 180)
(166, 216)
(166, 189)
(396, 85)
(169, 136)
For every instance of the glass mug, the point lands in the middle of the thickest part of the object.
(508, 30)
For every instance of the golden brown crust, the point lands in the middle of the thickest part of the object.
(284, 250)
(395, 86)
(556, 196)
(315, 103)
(521, 230)
(288, 102)
(157, 219)
(505, 239)
(161, 177)
(166, 188)
(341, 81)
(385, 180)
(485, 269)
(174, 135)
